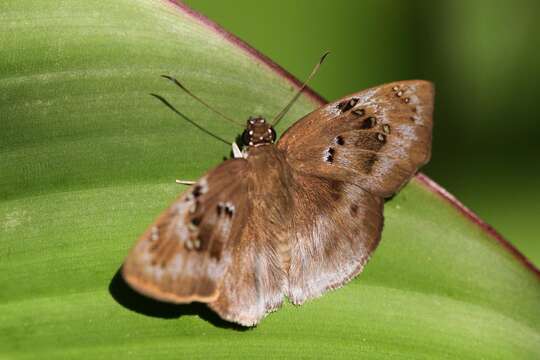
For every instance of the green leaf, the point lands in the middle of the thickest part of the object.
(88, 158)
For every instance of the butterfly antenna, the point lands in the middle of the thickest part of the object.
(164, 101)
(179, 84)
(282, 113)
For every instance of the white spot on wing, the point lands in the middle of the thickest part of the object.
(154, 235)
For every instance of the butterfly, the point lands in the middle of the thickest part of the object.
(294, 218)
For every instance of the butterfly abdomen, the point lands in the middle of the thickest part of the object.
(269, 182)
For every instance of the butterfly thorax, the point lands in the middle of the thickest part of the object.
(258, 132)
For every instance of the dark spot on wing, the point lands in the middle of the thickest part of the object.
(225, 208)
(347, 105)
(367, 123)
(216, 249)
(370, 141)
(335, 188)
(368, 162)
(329, 157)
(197, 191)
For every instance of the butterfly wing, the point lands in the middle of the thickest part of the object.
(183, 255)
(345, 158)
(376, 139)
(255, 282)
(336, 226)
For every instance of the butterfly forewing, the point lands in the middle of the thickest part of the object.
(376, 139)
(183, 255)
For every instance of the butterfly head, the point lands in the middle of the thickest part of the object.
(258, 132)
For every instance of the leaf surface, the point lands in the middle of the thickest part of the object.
(88, 158)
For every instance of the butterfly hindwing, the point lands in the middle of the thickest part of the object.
(376, 139)
(182, 256)
(254, 284)
(335, 229)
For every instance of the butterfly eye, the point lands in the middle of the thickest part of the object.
(274, 135)
(246, 137)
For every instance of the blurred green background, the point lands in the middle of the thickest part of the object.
(484, 57)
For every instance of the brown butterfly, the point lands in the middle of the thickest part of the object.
(294, 218)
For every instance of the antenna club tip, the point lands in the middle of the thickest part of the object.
(323, 57)
(171, 78)
(175, 81)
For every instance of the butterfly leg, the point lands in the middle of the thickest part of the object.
(185, 182)
(237, 153)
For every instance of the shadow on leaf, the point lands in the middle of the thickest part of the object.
(123, 294)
